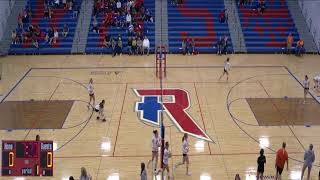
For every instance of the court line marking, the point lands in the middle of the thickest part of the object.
(36, 120)
(12, 89)
(205, 129)
(175, 155)
(19, 81)
(123, 102)
(283, 117)
(240, 127)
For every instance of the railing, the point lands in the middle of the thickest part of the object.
(314, 30)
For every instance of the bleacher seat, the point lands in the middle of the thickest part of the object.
(267, 33)
(60, 17)
(198, 19)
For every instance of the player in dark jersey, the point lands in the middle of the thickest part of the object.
(261, 161)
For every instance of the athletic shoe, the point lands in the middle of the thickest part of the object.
(104, 120)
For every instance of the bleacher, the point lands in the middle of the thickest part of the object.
(198, 19)
(60, 17)
(95, 40)
(267, 33)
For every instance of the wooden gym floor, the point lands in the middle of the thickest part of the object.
(235, 114)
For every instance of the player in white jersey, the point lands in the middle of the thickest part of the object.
(306, 85)
(156, 143)
(91, 93)
(166, 156)
(226, 69)
(99, 109)
(316, 81)
(185, 156)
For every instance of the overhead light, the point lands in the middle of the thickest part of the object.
(199, 146)
(205, 176)
(105, 144)
(264, 142)
(114, 176)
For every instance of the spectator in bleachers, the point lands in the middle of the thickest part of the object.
(13, 37)
(289, 43)
(55, 36)
(193, 46)
(95, 25)
(134, 46)
(148, 16)
(107, 41)
(118, 6)
(262, 6)
(225, 45)
(51, 35)
(113, 46)
(184, 46)
(64, 3)
(35, 43)
(128, 19)
(75, 12)
(20, 23)
(50, 13)
(46, 13)
(146, 45)
(65, 31)
(57, 3)
(119, 45)
(130, 30)
(139, 46)
(299, 47)
(129, 45)
(219, 46)
(189, 46)
(222, 16)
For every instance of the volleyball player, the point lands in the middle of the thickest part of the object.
(156, 143)
(306, 85)
(166, 156)
(91, 94)
(226, 69)
(185, 156)
(316, 81)
(99, 109)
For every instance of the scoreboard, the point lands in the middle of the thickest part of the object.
(27, 158)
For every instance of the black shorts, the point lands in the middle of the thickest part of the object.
(96, 110)
(260, 170)
(279, 170)
(91, 95)
(184, 155)
(224, 70)
(307, 89)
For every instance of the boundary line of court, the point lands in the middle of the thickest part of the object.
(174, 155)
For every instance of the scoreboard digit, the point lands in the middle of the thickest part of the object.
(27, 158)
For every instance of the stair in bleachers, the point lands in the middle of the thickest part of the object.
(60, 17)
(95, 40)
(267, 32)
(198, 19)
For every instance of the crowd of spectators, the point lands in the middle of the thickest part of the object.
(126, 14)
(28, 32)
(188, 46)
(222, 45)
(298, 49)
(258, 6)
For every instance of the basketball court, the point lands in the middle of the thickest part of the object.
(259, 107)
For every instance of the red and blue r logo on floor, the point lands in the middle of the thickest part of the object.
(150, 107)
